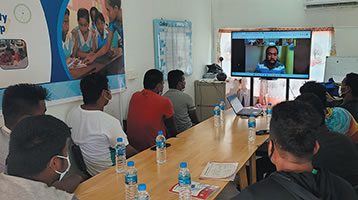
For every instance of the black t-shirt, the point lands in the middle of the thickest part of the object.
(337, 154)
(324, 185)
(352, 107)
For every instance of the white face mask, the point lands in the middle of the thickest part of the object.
(62, 174)
(342, 91)
(108, 99)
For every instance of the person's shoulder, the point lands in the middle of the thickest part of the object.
(342, 187)
(20, 188)
(265, 189)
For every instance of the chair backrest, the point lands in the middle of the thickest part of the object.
(77, 160)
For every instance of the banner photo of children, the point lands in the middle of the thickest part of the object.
(92, 37)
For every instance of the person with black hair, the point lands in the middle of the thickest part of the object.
(114, 12)
(183, 105)
(292, 145)
(349, 92)
(83, 36)
(93, 130)
(69, 44)
(38, 157)
(337, 119)
(271, 64)
(102, 34)
(19, 101)
(93, 13)
(337, 152)
(149, 112)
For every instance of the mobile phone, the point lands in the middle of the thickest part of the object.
(262, 132)
(154, 148)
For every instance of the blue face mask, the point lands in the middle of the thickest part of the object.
(62, 174)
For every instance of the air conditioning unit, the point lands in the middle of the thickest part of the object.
(329, 3)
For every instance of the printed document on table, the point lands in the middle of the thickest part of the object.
(220, 170)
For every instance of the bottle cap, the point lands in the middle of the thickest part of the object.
(183, 165)
(142, 187)
(269, 104)
(216, 104)
(252, 115)
(130, 163)
(119, 139)
(160, 132)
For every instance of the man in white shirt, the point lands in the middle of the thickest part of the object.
(19, 101)
(183, 104)
(38, 157)
(94, 130)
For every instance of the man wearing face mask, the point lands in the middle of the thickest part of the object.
(349, 92)
(38, 157)
(149, 112)
(183, 105)
(94, 130)
(293, 143)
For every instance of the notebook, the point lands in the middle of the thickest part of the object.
(241, 110)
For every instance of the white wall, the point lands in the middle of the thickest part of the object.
(287, 13)
(138, 18)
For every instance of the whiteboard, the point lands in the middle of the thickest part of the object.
(338, 66)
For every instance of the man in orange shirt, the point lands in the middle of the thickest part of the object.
(149, 112)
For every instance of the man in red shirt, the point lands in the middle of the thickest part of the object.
(149, 112)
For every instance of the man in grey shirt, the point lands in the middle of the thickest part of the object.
(183, 105)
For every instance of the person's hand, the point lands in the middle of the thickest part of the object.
(89, 58)
(74, 33)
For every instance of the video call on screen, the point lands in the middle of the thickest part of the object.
(248, 50)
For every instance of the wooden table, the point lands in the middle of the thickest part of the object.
(196, 146)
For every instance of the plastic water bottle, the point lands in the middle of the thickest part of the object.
(222, 109)
(216, 115)
(161, 148)
(142, 193)
(131, 180)
(252, 128)
(184, 182)
(268, 116)
(120, 156)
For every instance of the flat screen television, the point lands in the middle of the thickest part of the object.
(271, 54)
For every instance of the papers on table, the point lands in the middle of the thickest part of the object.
(220, 171)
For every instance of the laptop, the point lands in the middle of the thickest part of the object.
(241, 110)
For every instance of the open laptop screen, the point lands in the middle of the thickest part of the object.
(235, 103)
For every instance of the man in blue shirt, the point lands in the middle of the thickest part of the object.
(271, 63)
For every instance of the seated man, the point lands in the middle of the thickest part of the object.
(19, 101)
(149, 113)
(94, 130)
(271, 63)
(337, 119)
(38, 157)
(293, 142)
(349, 91)
(337, 152)
(184, 108)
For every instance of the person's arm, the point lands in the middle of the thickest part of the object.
(94, 41)
(170, 124)
(91, 57)
(68, 184)
(75, 47)
(193, 116)
(130, 151)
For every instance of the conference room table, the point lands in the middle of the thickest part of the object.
(196, 146)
